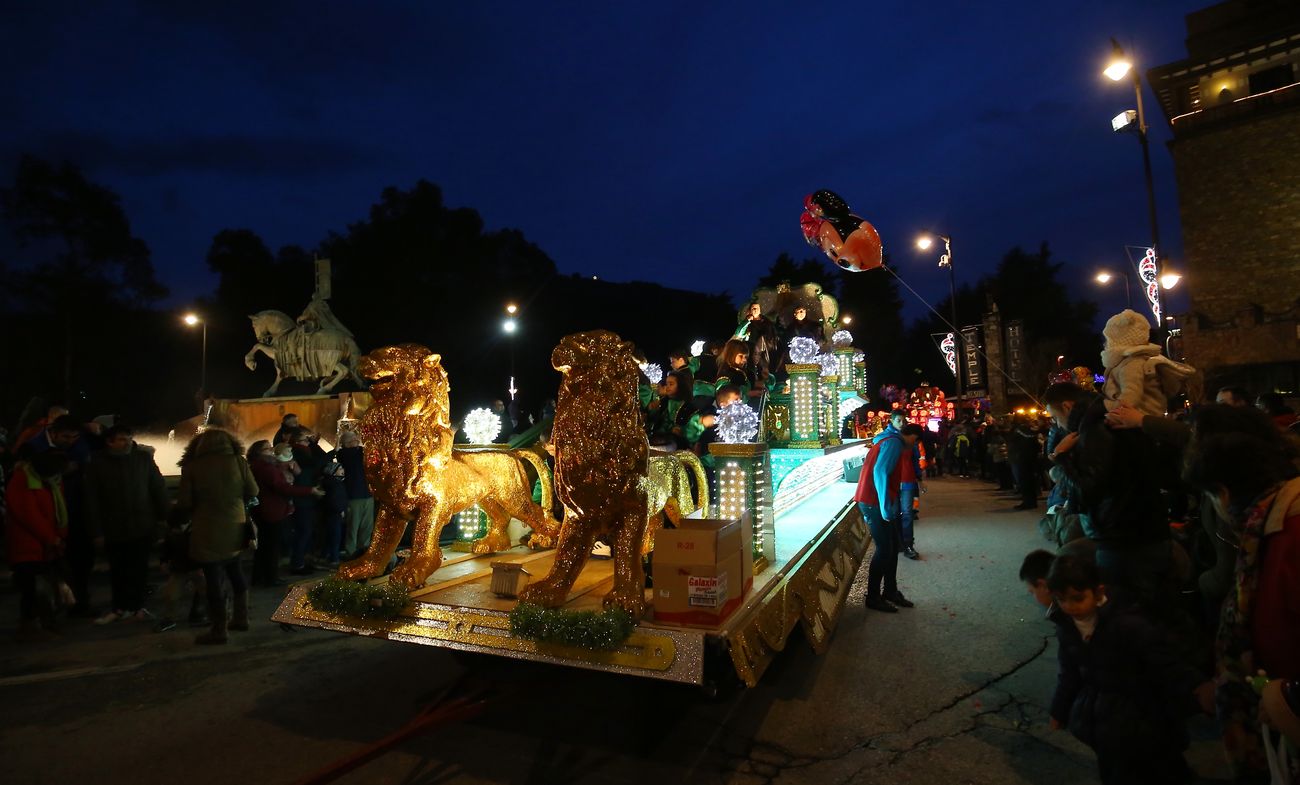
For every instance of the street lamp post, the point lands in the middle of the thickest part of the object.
(924, 242)
(509, 326)
(1104, 278)
(1119, 67)
(192, 320)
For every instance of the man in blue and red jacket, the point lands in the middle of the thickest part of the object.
(879, 498)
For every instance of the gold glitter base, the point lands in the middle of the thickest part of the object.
(810, 590)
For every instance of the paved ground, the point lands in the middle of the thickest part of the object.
(950, 692)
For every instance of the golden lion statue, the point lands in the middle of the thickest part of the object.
(601, 455)
(414, 473)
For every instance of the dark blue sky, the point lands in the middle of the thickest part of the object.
(667, 142)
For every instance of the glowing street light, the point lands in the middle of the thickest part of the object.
(1121, 66)
(1104, 277)
(509, 325)
(511, 308)
(846, 319)
(1170, 280)
(925, 242)
(194, 320)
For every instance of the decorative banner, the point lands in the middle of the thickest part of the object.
(1015, 349)
(1147, 271)
(949, 348)
(970, 338)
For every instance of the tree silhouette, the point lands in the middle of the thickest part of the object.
(77, 257)
(811, 270)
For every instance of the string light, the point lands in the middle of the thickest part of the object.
(850, 405)
(842, 338)
(949, 348)
(830, 366)
(482, 426)
(471, 523)
(1147, 271)
(654, 372)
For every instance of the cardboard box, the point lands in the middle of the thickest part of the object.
(702, 570)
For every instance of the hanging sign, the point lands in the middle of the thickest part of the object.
(970, 339)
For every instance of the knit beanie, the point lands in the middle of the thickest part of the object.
(1127, 328)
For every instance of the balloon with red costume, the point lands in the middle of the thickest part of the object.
(847, 239)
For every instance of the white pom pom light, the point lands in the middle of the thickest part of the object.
(859, 357)
(803, 349)
(482, 426)
(654, 372)
(737, 423)
(830, 366)
(697, 348)
(842, 338)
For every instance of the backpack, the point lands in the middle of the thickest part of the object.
(961, 444)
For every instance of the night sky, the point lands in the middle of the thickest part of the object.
(665, 142)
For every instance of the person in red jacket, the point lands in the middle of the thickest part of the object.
(878, 496)
(275, 497)
(36, 528)
(1248, 469)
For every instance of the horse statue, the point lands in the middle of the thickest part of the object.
(317, 346)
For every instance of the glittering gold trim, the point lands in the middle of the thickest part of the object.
(805, 445)
(744, 450)
(483, 630)
(793, 368)
(812, 592)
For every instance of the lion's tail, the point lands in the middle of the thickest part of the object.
(543, 474)
(691, 461)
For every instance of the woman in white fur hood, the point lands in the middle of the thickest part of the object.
(1137, 374)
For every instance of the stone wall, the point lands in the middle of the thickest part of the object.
(1239, 194)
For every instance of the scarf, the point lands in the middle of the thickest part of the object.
(35, 483)
(1236, 700)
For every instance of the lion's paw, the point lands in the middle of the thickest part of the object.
(358, 569)
(544, 594)
(632, 602)
(492, 543)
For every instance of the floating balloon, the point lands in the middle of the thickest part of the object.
(847, 239)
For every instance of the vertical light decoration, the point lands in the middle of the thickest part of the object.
(860, 373)
(1147, 272)
(471, 525)
(844, 367)
(830, 381)
(805, 398)
(744, 490)
(949, 348)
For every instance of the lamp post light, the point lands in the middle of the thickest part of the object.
(193, 320)
(509, 327)
(1105, 277)
(1119, 67)
(924, 242)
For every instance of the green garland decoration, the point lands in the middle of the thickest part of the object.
(581, 629)
(364, 600)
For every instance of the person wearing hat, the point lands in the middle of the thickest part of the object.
(1137, 374)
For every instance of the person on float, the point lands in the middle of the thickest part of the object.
(879, 495)
(733, 365)
(216, 487)
(671, 412)
(760, 334)
(702, 427)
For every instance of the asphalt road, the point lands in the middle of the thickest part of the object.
(952, 691)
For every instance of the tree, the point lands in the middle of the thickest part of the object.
(872, 301)
(1025, 287)
(77, 256)
(812, 270)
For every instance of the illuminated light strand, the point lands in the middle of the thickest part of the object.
(803, 350)
(841, 338)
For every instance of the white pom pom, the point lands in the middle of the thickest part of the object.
(697, 348)
(803, 349)
(830, 366)
(654, 372)
(842, 338)
(737, 423)
(859, 357)
(482, 426)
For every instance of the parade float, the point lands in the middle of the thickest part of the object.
(772, 542)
